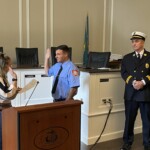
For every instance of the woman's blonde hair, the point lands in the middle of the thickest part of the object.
(4, 60)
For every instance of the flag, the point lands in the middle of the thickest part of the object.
(86, 42)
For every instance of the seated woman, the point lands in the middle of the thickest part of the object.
(7, 91)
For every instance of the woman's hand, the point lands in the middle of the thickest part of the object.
(19, 89)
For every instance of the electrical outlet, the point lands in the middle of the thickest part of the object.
(109, 100)
(104, 100)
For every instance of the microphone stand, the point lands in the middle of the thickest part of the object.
(32, 93)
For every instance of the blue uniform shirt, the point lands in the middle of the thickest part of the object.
(68, 78)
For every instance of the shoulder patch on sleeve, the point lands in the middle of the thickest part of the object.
(75, 72)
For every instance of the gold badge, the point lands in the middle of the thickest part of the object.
(146, 65)
(145, 54)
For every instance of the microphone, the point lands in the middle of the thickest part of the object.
(32, 93)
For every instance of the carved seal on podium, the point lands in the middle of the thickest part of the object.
(51, 138)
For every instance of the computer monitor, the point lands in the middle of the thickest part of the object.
(53, 54)
(27, 57)
(98, 59)
(1, 49)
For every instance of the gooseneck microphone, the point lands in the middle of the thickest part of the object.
(32, 93)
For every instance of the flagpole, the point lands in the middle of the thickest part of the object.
(86, 42)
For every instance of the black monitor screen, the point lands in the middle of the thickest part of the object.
(98, 59)
(53, 54)
(1, 49)
(27, 57)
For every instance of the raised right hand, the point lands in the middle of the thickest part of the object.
(48, 53)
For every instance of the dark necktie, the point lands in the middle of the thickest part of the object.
(56, 80)
(138, 57)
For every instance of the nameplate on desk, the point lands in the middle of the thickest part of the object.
(44, 75)
(30, 76)
(104, 80)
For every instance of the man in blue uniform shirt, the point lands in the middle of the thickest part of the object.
(65, 73)
(135, 71)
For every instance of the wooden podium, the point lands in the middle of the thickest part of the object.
(53, 126)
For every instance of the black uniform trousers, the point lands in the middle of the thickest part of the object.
(131, 110)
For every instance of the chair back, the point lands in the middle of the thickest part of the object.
(1, 49)
(27, 57)
(98, 59)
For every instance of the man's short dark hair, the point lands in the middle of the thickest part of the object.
(64, 48)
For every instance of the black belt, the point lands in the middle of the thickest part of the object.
(58, 100)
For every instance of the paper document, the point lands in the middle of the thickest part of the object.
(115, 57)
(103, 68)
(27, 87)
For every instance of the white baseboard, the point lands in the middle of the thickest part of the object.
(108, 136)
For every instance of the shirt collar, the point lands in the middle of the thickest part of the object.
(65, 62)
(141, 52)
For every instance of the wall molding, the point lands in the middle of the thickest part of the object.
(45, 24)
(111, 24)
(20, 23)
(27, 26)
(28, 22)
(51, 22)
(117, 108)
(104, 26)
